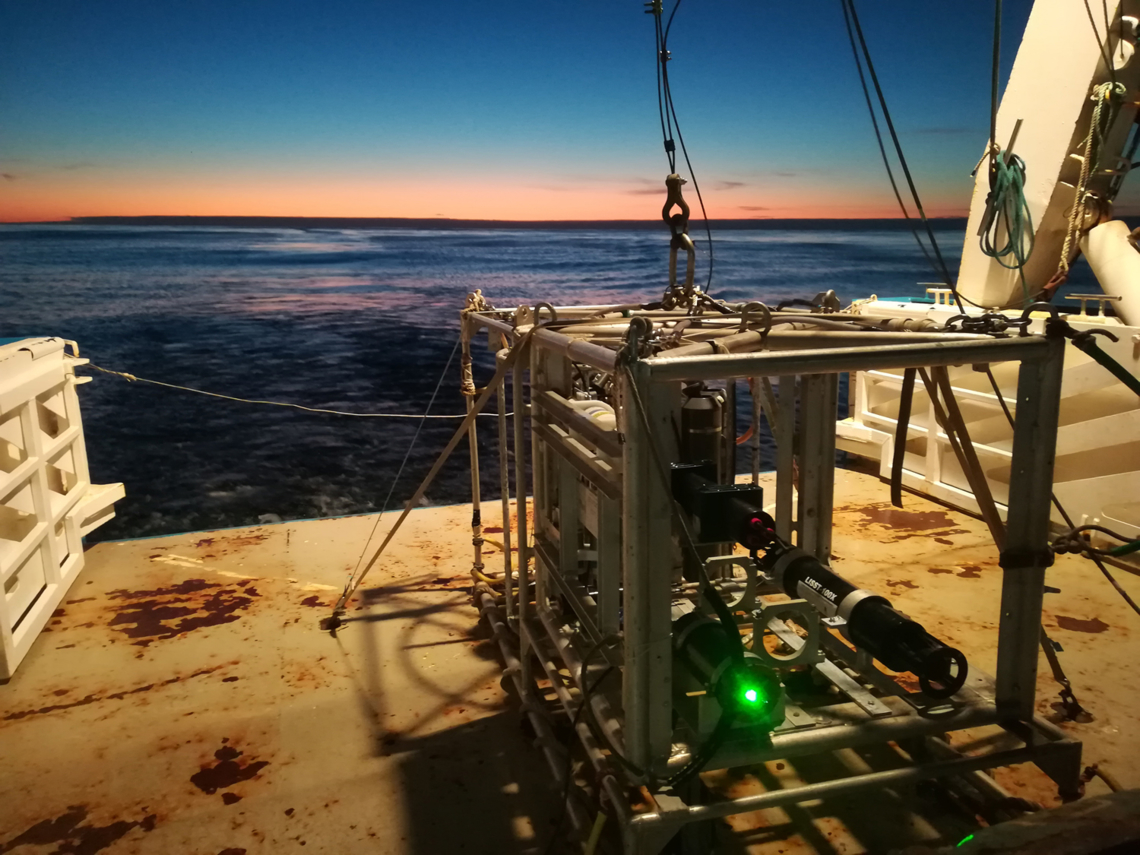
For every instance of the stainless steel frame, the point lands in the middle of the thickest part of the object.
(599, 504)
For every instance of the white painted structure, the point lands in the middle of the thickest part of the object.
(47, 501)
(1059, 64)
(1097, 472)
(1097, 476)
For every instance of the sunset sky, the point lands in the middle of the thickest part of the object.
(507, 110)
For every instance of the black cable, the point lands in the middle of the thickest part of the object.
(710, 593)
(1103, 47)
(1061, 508)
(995, 74)
(705, 753)
(879, 139)
(1107, 35)
(942, 269)
(588, 690)
(676, 124)
(666, 137)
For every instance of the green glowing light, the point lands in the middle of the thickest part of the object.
(751, 696)
(965, 840)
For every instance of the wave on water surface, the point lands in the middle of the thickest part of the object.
(359, 320)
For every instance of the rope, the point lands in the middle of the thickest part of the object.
(1007, 227)
(1102, 95)
(940, 269)
(135, 379)
(355, 582)
(1057, 503)
(404, 462)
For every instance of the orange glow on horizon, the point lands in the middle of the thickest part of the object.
(36, 199)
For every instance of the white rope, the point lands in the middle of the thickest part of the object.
(134, 379)
(1101, 96)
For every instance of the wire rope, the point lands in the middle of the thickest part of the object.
(670, 120)
(879, 140)
(941, 269)
(404, 462)
(320, 410)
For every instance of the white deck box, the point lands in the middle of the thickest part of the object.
(47, 500)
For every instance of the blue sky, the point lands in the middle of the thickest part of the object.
(506, 110)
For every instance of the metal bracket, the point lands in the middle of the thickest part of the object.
(747, 599)
(768, 618)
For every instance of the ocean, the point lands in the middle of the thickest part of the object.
(347, 319)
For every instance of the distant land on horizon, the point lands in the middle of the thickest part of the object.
(442, 223)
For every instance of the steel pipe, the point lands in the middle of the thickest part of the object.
(834, 360)
(830, 789)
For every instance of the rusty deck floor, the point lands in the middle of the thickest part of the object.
(184, 701)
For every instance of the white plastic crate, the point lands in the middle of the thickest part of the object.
(47, 500)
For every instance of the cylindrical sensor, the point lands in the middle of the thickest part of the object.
(872, 623)
(744, 685)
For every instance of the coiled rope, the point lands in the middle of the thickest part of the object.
(1007, 227)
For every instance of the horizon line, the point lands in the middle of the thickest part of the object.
(285, 221)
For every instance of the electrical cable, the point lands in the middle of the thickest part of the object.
(1057, 504)
(709, 592)
(588, 690)
(1007, 211)
(1103, 45)
(727, 716)
(879, 139)
(995, 82)
(941, 268)
(669, 117)
(708, 748)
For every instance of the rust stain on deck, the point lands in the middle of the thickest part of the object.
(900, 583)
(969, 571)
(1077, 625)
(112, 696)
(162, 613)
(895, 524)
(73, 837)
(885, 514)
(227, 772)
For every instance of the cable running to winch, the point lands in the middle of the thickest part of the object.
(879, 140)
(669, 121)
(941, 269)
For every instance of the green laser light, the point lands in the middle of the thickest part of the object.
(965, 840)
(750, 696)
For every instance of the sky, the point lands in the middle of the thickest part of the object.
(506, 110)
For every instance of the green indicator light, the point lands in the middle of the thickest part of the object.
(965, 840)
(750, 696)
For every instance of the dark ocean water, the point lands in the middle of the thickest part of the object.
(343, 319)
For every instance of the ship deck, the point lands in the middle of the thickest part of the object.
(183, 699)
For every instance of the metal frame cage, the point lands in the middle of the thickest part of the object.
(586, 615)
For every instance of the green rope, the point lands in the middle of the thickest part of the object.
(1007, 226)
